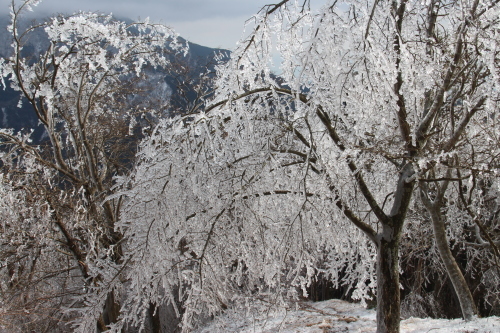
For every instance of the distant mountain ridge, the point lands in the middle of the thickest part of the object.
(24, 118)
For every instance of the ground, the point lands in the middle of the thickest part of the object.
(336, 316)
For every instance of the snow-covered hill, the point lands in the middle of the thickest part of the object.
(335, 316)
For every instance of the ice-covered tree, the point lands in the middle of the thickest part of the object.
(83, 86)
(322, 162)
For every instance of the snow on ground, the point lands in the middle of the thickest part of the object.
(337, 316)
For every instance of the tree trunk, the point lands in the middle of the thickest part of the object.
(154, 316)
(388, 293)
(109, 314)
(469, 309)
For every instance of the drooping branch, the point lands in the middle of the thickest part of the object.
(475, 218)
(338, 142)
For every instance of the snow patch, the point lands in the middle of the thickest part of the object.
(336, 316)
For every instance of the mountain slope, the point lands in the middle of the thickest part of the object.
(196, 61)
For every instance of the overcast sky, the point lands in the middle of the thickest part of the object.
(213, 23)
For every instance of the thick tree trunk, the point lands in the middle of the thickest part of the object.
(388, 293)
(469, 309)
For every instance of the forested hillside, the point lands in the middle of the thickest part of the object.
(367, 170)
(165, 85)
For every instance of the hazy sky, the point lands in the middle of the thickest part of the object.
(214, 23)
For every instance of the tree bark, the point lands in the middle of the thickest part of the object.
(110, 313)
(154, 315)
(467, 305)
(469, 309)
(388, 293)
